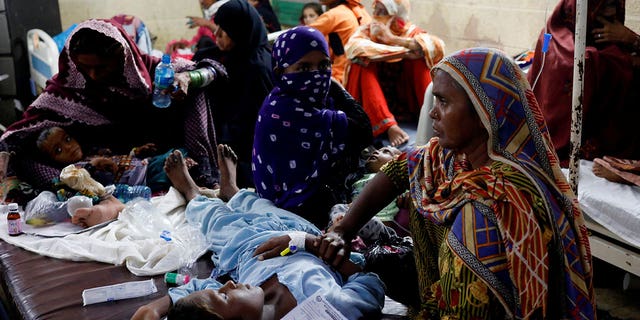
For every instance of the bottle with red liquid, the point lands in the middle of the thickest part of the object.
(13, 220)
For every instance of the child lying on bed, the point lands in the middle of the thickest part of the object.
(136, 168)
(247, 236)
(387, 216)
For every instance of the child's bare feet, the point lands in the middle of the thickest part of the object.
(176, 168)
(397, 136)
(107, 209)
(227, 163)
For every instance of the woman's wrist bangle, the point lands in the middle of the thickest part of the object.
(201, 77)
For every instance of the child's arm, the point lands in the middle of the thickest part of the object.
(275, 246)
(154, 310)
(144, 151)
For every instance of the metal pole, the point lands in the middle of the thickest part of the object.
(578, 89)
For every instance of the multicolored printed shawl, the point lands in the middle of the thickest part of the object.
(119, 116)
(520, 206)
(299, 137)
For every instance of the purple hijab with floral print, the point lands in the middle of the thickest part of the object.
(298, 136)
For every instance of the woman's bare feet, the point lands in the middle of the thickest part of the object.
(603, 169)
(623, 164)
(397, 136)
(227, 163)
(108, 209)
(178, 172)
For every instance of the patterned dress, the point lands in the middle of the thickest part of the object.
(505, 240)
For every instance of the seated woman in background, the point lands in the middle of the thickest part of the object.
(497, 231)
(242, 38)
(102, 96)
(611, 78)
(390, 70)
(310, 12)
(269, 17)
(204, 42)
(338, 24)
(309, 131)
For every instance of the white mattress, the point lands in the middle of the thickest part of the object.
(614, 206)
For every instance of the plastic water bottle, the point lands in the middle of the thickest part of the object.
(162, 80)
(139, 191)
(126, 193)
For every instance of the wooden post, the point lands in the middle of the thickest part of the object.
(578, 89)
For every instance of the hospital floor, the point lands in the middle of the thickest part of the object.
(612, 301)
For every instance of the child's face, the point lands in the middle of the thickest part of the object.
(380, 157)
(312, 61)
(62, 147)
(233, 300)
(309, 16)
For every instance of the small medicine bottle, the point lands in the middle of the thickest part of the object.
(176, 278)
(13, 220)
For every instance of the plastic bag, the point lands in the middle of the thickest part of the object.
(391, 258)
(45, 209)
(147, 223)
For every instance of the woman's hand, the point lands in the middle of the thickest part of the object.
(180, 87)
(199, 22)
(333, 248)
(613, 32)
(272, 247)
(381, 33)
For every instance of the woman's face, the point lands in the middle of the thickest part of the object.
(455, 122)
(205, 4)
(233, 300)
(224, 42)
(330, 3)
(102, 70)
(61, 147)
(312, 61)
(609, 10)
(379, 10)
(309, 16)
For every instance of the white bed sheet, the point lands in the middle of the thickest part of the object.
(613, 205)
(130, 240)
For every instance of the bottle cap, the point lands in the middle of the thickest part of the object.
(13, 206)
(166, 58)
(176, 278)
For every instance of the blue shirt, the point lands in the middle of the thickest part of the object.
(237, 228)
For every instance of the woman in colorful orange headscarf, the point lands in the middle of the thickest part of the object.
(391, 71)
(498, 233)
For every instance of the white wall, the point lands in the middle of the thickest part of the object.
(510, 25)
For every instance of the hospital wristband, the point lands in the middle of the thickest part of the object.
(296, 243)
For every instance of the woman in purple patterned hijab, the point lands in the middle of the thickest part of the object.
(309, 130)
